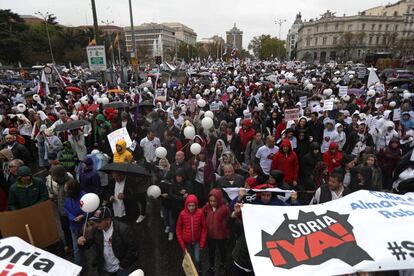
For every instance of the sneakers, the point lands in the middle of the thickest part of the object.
(140, 219)
(167, 229)
(170, 236)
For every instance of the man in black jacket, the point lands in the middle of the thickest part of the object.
(315, 129)
(114, 243)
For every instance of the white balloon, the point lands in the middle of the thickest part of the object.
(137, 272)
(313, 79)
(95, 97)
(21, 108)
(104, 96)
(145, 89)
(371, 93)
(161, 152)
(195, 148)
(189, 132)
(84, 100)
(201, 103)
(260, 106)
(89, 202)
(351, 77)
(77, 105)
(209, 114)
(198, 96)
(154, 191)
(346, 98)
(36, 97)
(309, 86)
(407, 95)
(99, 100)
(207, 123)
(105, 100)
(393, 104)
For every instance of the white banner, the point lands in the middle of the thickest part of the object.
(232, 193)
(117, 135)
(364, 231)
(18, 257)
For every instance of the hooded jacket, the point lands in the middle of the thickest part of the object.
(217, 220)
(308, 164)
(191, 227)
(332, 160)
(124, 156)
(286, 162)
(388, 158)
(246, 135)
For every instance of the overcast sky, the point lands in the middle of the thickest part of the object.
(206, 17)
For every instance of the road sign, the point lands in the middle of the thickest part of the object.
(96, 57)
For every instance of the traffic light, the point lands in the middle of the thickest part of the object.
(158, 60)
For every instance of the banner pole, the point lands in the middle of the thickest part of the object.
(29, 234)
(84, 226)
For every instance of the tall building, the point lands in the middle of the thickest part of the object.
(234, 39)
(343, 38)
(183, 33)
(146, 33)
(292, 37)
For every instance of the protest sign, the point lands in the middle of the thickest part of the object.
(39, 218)
(20, 258)
(303, 101)
(214, 106)
(328, 105)
(335, 238)
(396, 114)
(361, 73)
(161, 95)
(343, 90)
(292, 114)
(117, 135)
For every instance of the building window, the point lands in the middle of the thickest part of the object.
(309, 30)
(363, 27)
(335, 40)
(395, 13)
(326, 27)
(349, 27)
(372, 27)
(384, 40)
(379, 27)
(308, 40)
(370, 40)
(386, 27)
(396, 27)
(377, 40)
(316, 41)
(317, 28)
(336, 26)
(324, 41)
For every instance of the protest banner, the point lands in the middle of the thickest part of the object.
(343, 90)
(39, 218)
(292, 114)
(360, 232)
(328, 105)
(161, 95)
(214, 106)
(303, 101)
(117, 135)
(396, 114)
(20, 258)
(232, 193)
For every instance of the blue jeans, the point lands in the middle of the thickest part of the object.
(76, 252)
(168, 218)
(194, 251)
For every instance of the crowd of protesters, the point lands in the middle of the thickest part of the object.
(363, 142)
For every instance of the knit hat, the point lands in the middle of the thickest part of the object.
(24, 171)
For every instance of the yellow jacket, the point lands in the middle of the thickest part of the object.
(124, 156)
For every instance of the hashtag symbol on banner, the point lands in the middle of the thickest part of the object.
(397, 251)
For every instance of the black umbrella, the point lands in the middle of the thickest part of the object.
(126, 168)
(29, 93)
(71, 125)
(116, 105)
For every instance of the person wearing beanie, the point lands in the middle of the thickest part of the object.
(27, 190)
(19, 151)
(89, 179)
(68, 157)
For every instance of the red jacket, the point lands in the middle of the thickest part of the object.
(280, 127)
(332, 160)
(217, 225)
(191, 227)
(286, 162)
(246, 135)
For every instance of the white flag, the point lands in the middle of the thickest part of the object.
(372, 78)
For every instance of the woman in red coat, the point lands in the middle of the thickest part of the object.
(192, 229)
(332, 158)
(285, 160)
(217, 214)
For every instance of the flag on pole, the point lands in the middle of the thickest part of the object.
(43, 88)
(372, 78)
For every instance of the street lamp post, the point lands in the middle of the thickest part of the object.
(134, 47)
(280, 22)
(45, 17)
